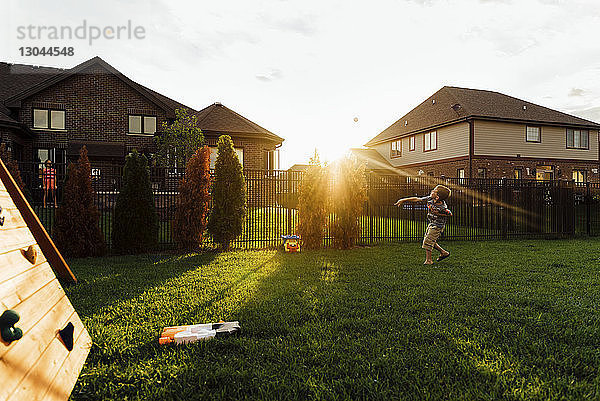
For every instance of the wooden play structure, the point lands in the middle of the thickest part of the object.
(43, 343)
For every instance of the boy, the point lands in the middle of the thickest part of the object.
(437, 215)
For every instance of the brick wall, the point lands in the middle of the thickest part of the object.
(97, 105)
(254, 150)
(499, 168)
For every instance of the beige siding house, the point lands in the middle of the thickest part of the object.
(460, 132)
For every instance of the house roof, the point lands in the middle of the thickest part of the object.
(15, 78)
(298, 167)
(221, 119)
(21, 81)
(373, 159)
(452, 104)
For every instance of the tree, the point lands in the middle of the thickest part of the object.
(193, 203)
(228, 195)
(77, 231)
(135, 223)
(349, 195)
(179, 140)
(312, 204)
(12, 166)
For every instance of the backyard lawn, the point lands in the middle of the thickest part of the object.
(496, 320)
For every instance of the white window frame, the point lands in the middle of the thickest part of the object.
(396, 148)
(412, 143)
(239, 151)
(430, 141)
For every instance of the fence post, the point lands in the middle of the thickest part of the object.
(504, 215)
(588, 209)
(289, 191)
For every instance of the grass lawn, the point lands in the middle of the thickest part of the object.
(497, 320)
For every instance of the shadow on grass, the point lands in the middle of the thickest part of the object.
(372, 323)
(106, 281)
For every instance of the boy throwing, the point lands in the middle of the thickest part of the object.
(437, 215)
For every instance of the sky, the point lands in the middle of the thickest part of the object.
(330, 75)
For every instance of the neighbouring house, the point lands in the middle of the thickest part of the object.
(373, 161)
(50, 113)
(299, 167)
(256, 147)
(460, 132)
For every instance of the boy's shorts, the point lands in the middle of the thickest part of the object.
(431, 236)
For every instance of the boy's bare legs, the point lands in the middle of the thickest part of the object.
(443, 252)
(428, 260)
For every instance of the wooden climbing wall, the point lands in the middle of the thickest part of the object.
(39, 365)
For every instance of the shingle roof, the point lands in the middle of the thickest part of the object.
(451, 104)
(218, 118)
(20, 81)
(373, 159)
(14, 78)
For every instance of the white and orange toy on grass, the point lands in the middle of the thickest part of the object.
(197, 332)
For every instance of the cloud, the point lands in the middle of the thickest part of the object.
(592, 113)
(270, 76)
(576, 92)
(302, 24)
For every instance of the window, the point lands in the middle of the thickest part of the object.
(271, 159)
(518, 174)
(533, 134)
(460, 173)
(481, 173)
(135, 124)
(57, 119)
(48, 119)
(578, 139)
(143, 125)
(396, 148)
(430, 141)
(580, 175)
(430, 174)
(411, 143)
(213, 156)
(150, 125)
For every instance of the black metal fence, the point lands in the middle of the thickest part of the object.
(482, 208)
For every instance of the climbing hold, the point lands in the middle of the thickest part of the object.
(66, 335)
(8, 332)
(1, 217)
(30, 254)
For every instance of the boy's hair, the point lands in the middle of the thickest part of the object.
(442, 191)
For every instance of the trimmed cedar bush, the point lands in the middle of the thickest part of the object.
(77, 231)
(312, 204)
(193, 202)
(12, 166)
(228, 195)
(348, 197)
(135, 222)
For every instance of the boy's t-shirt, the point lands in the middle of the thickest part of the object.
(437, 213)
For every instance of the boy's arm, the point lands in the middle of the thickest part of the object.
(409, 199)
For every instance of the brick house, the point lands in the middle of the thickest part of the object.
(256, 147)
(50, 113)
(460, 132)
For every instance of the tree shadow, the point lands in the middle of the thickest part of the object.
(104, 282)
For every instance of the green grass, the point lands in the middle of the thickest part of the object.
(497, 320)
